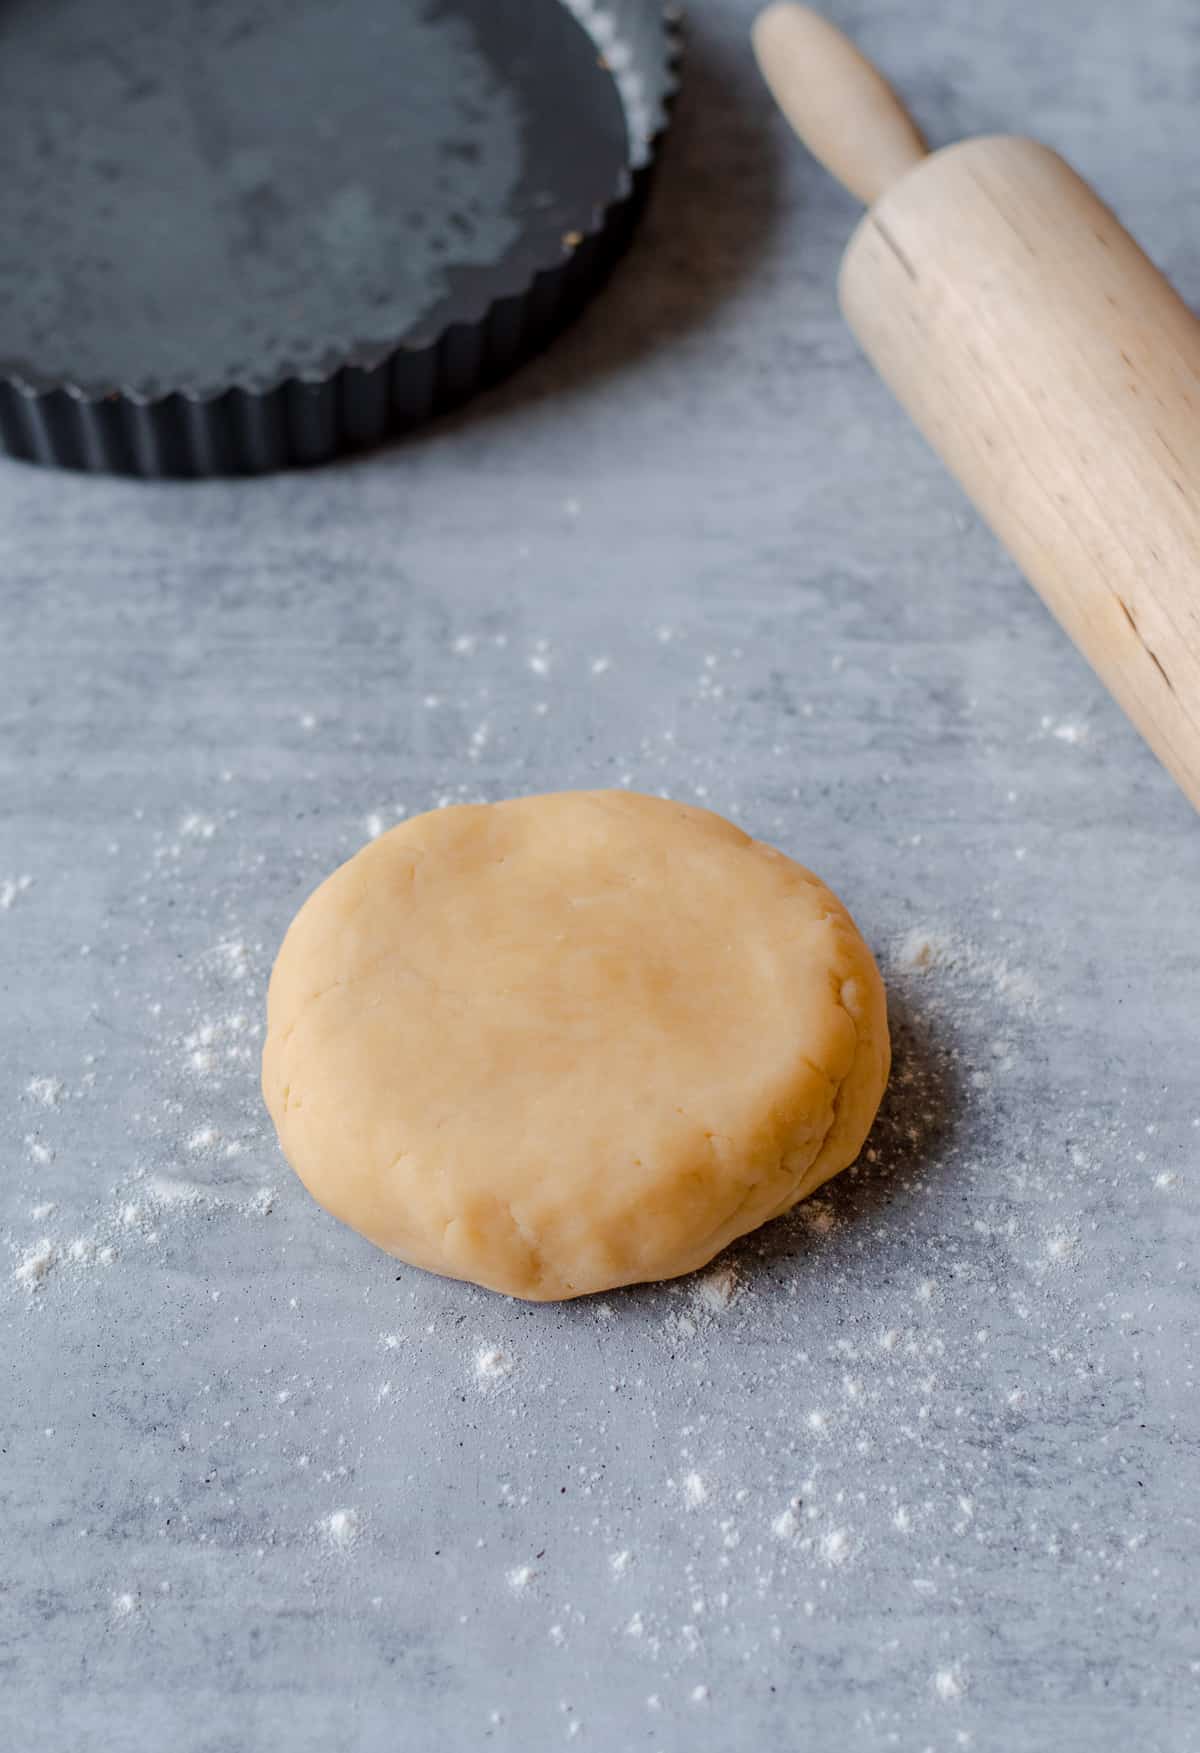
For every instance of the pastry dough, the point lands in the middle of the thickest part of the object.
(565, 1043)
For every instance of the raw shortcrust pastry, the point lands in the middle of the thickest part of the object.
(565, 1043)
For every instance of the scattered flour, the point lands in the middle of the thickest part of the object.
(217, 1041)
(135, 1218)
(11, 890)
(1060, 1247)
(949, 1684)
(695, 1491)
(196, 827)
(1066, 731)
(924, 949)
(817, 1216)
(342, 1529)
(47, 1091)
(492, 1365)
(164, 1193)
(787, 1525)
(718, 1289)
(32, 1271)
(835, 1547)
(231, 959)
(520, 1577)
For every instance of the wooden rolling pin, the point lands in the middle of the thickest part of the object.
(1049, 363)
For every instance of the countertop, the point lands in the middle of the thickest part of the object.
(917, 1466)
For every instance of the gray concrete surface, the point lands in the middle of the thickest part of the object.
(921, 1471)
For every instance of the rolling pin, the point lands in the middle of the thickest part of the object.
(1049, 363)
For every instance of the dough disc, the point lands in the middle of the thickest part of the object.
(565, 1043)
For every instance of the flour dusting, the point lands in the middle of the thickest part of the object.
(342, 1528)
(493, 1364)
(11, 890)
(924, 949)
(695, 1491)
(47, 1092)
(33, 1269)
(717, 1289)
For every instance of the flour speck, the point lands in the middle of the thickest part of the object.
(492, 1365)
(817, 1216)
(717, 1289)
(11, 890)
(32, 1271)
(786, 1525)
(48, 1092)
(1067, 731)
(835, 1547)
(695, 1491)
(925, 950)
(342, 1528)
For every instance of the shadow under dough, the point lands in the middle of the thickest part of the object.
(911, 1142)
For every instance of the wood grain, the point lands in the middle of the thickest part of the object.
(1051, 365)
(1057, 374)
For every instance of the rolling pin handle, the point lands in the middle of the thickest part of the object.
(841, 106)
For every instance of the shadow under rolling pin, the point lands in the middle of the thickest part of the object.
(1052, 367)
